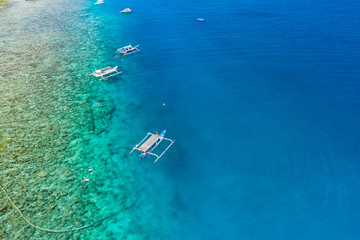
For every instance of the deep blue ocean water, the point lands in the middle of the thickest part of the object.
(263, 100)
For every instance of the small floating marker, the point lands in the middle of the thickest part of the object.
(164, 104)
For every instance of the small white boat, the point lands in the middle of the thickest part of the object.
(126, 10)
(104, 72)
(99, 2)
(201, 20)
(129, 49)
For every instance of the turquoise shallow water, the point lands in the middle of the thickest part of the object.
(261, 98)
(48, 110)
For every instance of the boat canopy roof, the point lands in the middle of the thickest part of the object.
(128, 46)
(104, 69)
(151, 141)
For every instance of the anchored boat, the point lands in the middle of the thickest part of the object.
(126, 10)
(152, 141)
(200, 20)
(127, 50)
(104, 72)
(99, 2)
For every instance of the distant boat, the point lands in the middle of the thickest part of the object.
(126, 10)
(99, 2)
(201, 20)
(128, 50)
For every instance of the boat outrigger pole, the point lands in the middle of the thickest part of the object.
(152, 141)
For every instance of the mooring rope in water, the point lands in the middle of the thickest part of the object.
(92, 119)
(61, 230)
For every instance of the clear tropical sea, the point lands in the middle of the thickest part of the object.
(263, 99)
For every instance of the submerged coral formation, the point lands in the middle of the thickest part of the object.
(50, 125)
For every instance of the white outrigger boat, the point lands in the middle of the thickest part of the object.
(104, 72)
(99, 2)
(127, 50)
(152, 140)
